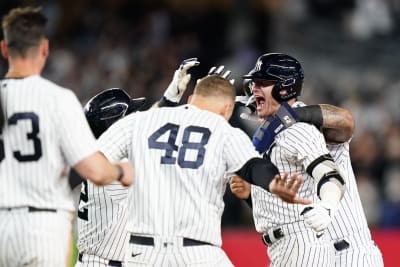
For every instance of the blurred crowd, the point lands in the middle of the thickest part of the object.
(347, 48)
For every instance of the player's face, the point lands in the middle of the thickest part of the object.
(266, 104)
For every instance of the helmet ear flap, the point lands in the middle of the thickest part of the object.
(287, 89)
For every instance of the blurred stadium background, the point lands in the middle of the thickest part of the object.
(348, 48)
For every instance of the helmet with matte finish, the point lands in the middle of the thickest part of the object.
(284, 70)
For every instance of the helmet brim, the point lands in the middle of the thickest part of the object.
(137, 104)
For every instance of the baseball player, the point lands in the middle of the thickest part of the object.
(43, 133)
(277, 79)
(102, 236)
(181, 155)
(349, 230)
(102, 211)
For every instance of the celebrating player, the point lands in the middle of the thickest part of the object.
(277, 78)
(181, 155)
(44, 132)
(102, 236)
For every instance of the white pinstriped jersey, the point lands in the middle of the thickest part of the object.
(180, 156)
(102, 220)
(350, 223)
(350, 218)
(40, 140)
(293, 150)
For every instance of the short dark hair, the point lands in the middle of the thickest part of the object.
(23, 28)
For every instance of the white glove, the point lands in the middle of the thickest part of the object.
(180, 80)
(218, 71)
(319, 215)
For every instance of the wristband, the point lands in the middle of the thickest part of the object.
(164, 102)
(120, 172)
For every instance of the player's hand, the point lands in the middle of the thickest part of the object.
(287, 190)
(318, 216)
(180, 80)
(220, 72)
(239, 187)
(128, 177)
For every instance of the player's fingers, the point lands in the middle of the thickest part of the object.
(189, 62)
(226, 74)
(211, 70)
(284, 178)
(219, 69)
(302, 201)
(189, 65)
(297, 185)
(128, 173)
(292, 181)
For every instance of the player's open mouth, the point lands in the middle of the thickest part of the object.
(260, 101)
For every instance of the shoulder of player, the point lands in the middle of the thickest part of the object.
(299, 132)
(301, 127)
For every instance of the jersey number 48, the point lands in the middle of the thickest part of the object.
(171, 130)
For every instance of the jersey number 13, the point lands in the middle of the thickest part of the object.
(30, 136)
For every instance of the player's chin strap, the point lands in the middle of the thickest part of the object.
(265, 134)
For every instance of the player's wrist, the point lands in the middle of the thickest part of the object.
(120, 172)
(165, 102)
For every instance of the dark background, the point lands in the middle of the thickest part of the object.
(348, 48)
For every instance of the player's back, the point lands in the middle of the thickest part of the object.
(180, 155)
(102, 220)
(34, 159)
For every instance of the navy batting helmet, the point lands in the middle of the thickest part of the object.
(107, 107)
(282, 69)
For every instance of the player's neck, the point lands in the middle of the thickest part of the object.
(21, 68)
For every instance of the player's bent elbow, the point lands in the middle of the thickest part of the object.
(348, 125)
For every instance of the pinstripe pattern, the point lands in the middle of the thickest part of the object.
(104, 233)
(350, 222)
(171, 200)
(42, 183)
(176, 255)
(45, 243)
(294, 149)
(40, 141)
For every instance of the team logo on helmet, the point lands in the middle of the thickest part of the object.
(258, 65)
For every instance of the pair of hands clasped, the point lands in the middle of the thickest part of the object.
(317, 216)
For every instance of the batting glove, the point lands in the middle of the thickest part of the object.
(220, 72)
(319, 215)
(180, 80)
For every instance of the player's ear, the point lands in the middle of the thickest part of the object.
(4, 50)
(44, 48)
(228, 110)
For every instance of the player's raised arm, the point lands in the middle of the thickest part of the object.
(175, 90)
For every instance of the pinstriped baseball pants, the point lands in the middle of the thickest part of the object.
(34, 239)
